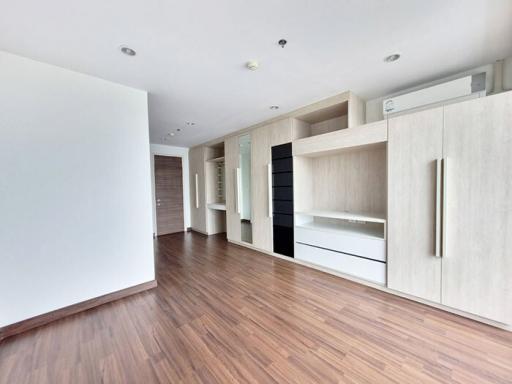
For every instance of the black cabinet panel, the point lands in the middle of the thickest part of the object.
(285, 207)
(282, 165)
(282, 151)
(283, 240)
(283, 220)
(282, 198)
(282, 193)
(284, 179)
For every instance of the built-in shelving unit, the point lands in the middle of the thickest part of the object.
(215, 189)
(340, 203)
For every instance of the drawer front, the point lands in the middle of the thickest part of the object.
(356, 245)
(370, 270)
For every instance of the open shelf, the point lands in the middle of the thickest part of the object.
(216, 160)
(347, 223)
(350, 216)
(217, 206)
(343, 228)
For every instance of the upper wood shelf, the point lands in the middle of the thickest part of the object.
(342, 140)
(216, 160)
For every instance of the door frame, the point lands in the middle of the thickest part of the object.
(185, 180)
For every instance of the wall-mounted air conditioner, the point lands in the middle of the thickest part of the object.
(452, 91)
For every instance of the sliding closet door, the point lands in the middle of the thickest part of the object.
(415, 144)
(477, 262)
(232, 163)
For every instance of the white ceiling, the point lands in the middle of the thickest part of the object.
(191, 53)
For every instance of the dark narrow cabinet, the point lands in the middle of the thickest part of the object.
(282, 199)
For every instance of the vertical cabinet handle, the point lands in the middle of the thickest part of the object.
(197, 190)
(269, 179)
(237, 189)
(437, 243)
(444, 208)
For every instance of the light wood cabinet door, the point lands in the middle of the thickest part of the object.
(197, 189)
(232, 162)
(262, 141)
(261, 217)
(477, 262)
(415, 143)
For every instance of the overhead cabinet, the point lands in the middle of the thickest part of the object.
(450, 206)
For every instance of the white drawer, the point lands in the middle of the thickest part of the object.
(370, 248)
(371, 270)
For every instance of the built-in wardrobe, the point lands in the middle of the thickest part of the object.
(450, 206)
(418, 205)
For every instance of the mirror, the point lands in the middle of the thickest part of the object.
(245, 188)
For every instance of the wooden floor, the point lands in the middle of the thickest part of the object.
(224, 314)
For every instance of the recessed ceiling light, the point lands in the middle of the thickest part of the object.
(178, 130)
(391, 58)
(171, 134)
(127, 50)
(190, 123)
(274, 107)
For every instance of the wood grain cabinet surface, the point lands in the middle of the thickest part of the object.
(415, 143)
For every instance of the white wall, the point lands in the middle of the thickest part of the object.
(168, 150)
(75, 188)
(374, 106)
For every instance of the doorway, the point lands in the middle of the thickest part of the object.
(168, 195)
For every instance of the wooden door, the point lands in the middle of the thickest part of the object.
(415, 143)
(477, 262)
(168, 195)
(197, 189)
(232, 162)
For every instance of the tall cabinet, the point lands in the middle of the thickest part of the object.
(450, 206)
(263, 139)
(197, 189)
(477, 257)
(232, 163)
(415, 144)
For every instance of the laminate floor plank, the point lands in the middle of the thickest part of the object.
(226, 314)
